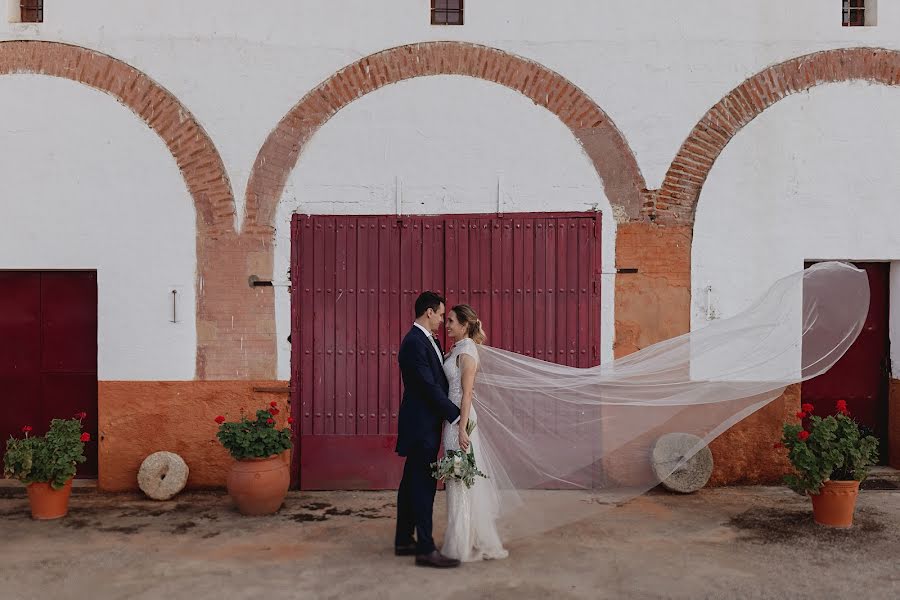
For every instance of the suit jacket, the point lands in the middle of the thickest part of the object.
(425, 404)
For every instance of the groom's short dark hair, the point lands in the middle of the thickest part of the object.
(427, 300)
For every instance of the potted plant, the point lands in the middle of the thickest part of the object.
(259, 478)
(831, 455)
(46, 464)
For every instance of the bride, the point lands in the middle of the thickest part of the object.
(471, 512)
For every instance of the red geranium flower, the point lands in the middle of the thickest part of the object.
(290, 420)
(842, 405)
(80, 415)
(803, 435)
(273, 404)
(801, 415)
(807, 408)
(85, 437)
(220, 419)
(274, 411)
(270, 421)
(26, 429)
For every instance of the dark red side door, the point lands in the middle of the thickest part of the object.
(861, 376)
(48, 353)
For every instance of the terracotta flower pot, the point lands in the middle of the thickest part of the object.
(834, 504)
(258, 485)
(47, 503)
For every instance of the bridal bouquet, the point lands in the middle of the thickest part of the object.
(456, 464)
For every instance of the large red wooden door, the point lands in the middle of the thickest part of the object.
(861, 376)
(534, 280)
(48, 354)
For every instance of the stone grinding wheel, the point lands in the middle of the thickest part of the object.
(693, 474)
(162, 475)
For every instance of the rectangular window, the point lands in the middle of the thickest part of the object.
(854, 13)
(446, 12)
(32, 11)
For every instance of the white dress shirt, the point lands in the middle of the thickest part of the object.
(433, 343)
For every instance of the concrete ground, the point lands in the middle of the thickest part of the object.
(752, 542)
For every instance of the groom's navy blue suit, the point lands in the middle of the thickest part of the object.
(424, 408)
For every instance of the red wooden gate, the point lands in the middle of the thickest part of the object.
(533, 278)
(861, 376)
(48, 354)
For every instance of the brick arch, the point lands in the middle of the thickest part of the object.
(197, 158)
(602, 141)
(680, 192)
(193, 150)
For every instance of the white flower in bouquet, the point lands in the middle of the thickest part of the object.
(458, 465)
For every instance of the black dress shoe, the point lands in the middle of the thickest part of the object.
(436, 560)
(407, 550)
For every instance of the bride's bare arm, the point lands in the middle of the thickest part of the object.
(467, 367)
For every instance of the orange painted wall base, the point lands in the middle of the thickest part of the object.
(138, 418)
(745, 454)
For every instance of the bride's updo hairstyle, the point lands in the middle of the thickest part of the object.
(466, 316)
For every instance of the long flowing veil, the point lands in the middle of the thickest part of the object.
(590, 432)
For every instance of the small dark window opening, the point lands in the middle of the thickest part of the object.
(448, 12)
(32, 11)
(854, 13)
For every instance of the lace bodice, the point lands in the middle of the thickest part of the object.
(452, 370)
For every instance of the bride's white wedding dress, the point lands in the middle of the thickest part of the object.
(471, 512)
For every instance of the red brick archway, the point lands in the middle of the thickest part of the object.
(191, 147)
(598, 135)
(602, 141)
(677, 198)
(748, 444)
(193, 150)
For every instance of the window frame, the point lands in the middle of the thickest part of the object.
(445, 12)
(31, 11)
(854, 13)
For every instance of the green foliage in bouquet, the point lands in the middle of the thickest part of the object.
(457, 464)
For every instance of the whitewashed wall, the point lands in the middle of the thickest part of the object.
(814, 177)
(655, 67)
(84, 184)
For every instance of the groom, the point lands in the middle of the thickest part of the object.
(424, 407)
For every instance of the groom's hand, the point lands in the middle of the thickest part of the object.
(463, 439)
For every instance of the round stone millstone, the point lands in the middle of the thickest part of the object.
(690, 476)
(162, 475)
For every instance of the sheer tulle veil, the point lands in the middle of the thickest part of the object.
(589, 433)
